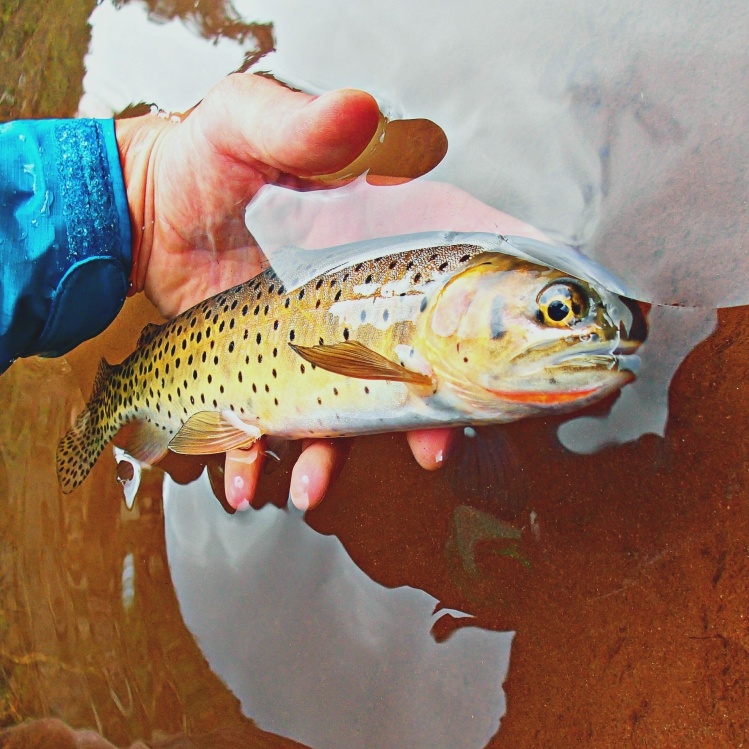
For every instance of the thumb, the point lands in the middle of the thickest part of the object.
(250, 118)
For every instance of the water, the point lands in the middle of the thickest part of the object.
(617, 129)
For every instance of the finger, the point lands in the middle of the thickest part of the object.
(241, 474)
(289, 130)
(431, 447)
(317, 467)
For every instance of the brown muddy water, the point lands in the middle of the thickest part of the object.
(625, 580)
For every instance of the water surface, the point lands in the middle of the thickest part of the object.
(617, 129)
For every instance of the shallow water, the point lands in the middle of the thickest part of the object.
(617, 130)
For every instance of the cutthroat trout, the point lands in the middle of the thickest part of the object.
(438, 336)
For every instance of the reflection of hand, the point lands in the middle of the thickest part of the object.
(188, 184)
(50, 733)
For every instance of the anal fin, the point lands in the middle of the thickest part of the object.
(143, 441)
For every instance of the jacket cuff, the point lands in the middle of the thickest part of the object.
(94, 229)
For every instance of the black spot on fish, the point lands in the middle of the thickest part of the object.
(287, 302)
(318, 284)
(417, 278)
(385, 315)
(366, 390)
(292, 334)
(443, 266)
(231, 324)
(258, 338)
(256, 310)
(345, 334)
(234, 304)
(254, 388)
(267, 389)
(301, 368)
(275, 400)
(423, 304)
(215, 360)
(245, 310)
(210, 379)
(301, 293)
(368, 279)
(338, 295)
(239, 376)
(275, 325)
(231, 346)
(221, 327)
(176, 363)
(318, 303)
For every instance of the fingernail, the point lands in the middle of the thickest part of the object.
(439, 457)
(299, 493)
(243, 505)
(247, 457)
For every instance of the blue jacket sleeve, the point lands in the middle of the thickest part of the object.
(65, 240)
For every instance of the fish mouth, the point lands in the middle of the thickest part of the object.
(620, 367)
(622, 358)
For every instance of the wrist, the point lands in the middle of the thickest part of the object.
(136, 142)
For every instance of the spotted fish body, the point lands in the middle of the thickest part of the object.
(438, 336)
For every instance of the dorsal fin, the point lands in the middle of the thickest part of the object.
(149, 332)
(102, 376)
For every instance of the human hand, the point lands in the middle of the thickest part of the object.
(188, 184)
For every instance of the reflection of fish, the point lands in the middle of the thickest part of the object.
(439, 336)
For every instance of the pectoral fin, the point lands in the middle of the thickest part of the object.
(354, 359)
(211, 432)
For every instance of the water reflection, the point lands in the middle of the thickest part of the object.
(586, 120)
(315, 649)
(617, 129)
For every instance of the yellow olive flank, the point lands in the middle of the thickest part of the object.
(449, 335)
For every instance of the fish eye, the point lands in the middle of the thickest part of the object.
(562, 304)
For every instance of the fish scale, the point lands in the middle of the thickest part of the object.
(261, 359)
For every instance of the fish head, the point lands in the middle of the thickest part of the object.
(507, 336)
